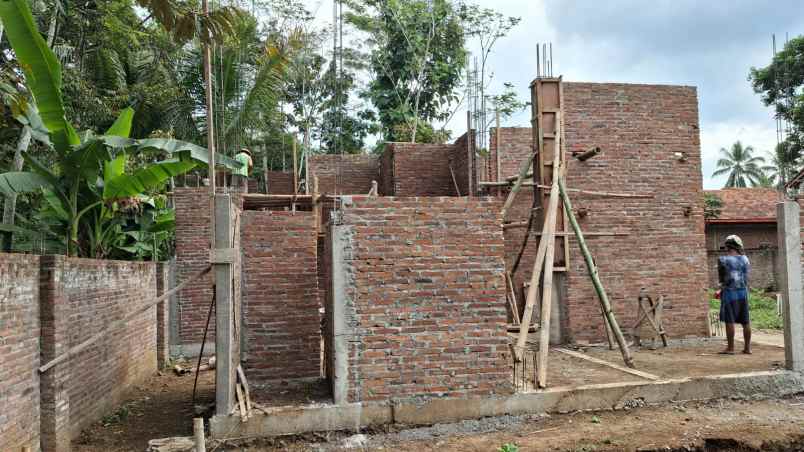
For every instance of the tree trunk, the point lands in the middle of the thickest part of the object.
(51, 30)
(10, 204)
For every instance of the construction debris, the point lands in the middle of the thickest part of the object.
(173, 444)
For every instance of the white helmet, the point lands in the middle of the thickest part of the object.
(734, 241)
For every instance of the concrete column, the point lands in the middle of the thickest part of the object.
(224, 333)
(789, 241)
(162, 317)
(54, 341)
(342, 331)
(173, 316)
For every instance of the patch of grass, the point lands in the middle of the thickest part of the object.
(118, 417)
(762, 308)
(508, 447)
(595, 420)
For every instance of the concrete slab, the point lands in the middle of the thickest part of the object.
(294, 420)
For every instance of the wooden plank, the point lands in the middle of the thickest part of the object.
(509, 282)
(295, 169)
(243, 381)
(454, 181)
(547, 291)
(241, 402)
(635, 372)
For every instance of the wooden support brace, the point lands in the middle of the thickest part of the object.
(592, 268)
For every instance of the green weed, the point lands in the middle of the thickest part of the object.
(762, 309)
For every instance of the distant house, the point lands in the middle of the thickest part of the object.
(751, 214)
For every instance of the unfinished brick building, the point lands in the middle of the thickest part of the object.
(410, 284)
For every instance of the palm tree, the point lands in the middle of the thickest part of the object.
(742, 167)
(784, 162)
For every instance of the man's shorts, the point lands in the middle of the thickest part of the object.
(734, 306)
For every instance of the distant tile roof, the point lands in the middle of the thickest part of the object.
(746, 205)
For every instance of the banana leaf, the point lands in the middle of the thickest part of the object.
(42, 70)
(122, 125)
(16, 182)
(144, 179)
(185, 150)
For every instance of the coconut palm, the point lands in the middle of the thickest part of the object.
(784, 162)
(741, 166)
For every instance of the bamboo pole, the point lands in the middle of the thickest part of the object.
(548, 236)
(497, 143)
(590, 265)
(295, 170)
(117, 323)
(207, 57)
(523, 171)
(549, 258)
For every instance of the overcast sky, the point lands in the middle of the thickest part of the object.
(710, 45)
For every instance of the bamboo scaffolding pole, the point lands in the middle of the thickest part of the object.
(548, 238)
(118, 323)
(549, 258)
(523, 171)
(590, 265)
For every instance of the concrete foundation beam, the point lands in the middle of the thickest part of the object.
(295, 420)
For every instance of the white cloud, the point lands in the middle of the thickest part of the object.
(710, 45)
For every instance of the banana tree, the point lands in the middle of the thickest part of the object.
(89, 177)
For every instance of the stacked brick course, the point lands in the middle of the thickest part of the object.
(428, 298)
(281, 305)
(19, 352)
(55, 303)
(280, 183)
(192, 255)
(344, 174)
(96, 293)
(419, 170)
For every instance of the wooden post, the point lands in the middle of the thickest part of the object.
(590, 265)
(497, 144)
(265, 172)
(198, 431)
(316, 205)
(546, 245)
(469, 153)
(549, 258)
(295, 169)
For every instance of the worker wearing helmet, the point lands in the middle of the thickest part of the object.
(240, 175)
(733, 270)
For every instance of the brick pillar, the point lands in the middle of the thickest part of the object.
(162, 317)
(54, 341)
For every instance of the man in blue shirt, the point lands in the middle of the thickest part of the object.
(733, 270)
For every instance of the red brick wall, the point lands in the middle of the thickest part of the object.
(281, 305)
(19, 349)
(349, 174)
(98, 293)
(192, 255)
(461, 162)
(280, 183)
(422, 169)
(386, 182)
(638, 128)
(436, 325)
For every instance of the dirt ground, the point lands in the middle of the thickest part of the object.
(721, 425)
(162, 407)
(696, 360)
(159, 408)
